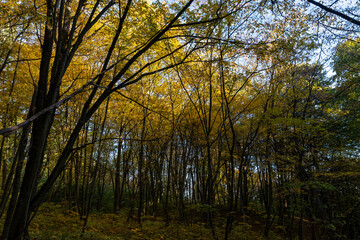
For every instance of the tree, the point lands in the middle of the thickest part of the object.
(214, 108)
(68, 41)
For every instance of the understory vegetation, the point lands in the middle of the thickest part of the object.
(54, 221)
(189, 119)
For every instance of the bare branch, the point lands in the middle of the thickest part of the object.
(7, 131)
(346, 17)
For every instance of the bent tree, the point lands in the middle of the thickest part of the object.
(232, 125)
(68, 26)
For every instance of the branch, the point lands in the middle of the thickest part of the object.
(350, 19)
(208, 20)
(7, 131)
(114, 138)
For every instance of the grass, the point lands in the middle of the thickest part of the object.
(55, 222)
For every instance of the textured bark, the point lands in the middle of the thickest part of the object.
(41, 127)
(19, 159)
(117, 191)
(29, 200)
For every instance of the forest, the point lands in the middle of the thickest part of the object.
(188, 119)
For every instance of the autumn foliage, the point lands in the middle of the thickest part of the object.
(137, 119)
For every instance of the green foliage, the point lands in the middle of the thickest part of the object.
(53, 221)
(230, 112)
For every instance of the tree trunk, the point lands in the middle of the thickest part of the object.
(117, 194)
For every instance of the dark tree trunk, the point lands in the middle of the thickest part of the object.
(117, 199)
(140, 169)
(19, 158)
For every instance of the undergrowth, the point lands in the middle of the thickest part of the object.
(53, 221)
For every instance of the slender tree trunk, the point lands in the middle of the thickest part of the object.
(47, 97)
(19, 159)
(168, 182)
(96, 169)
(117, 176)
(70, 180)
(3, 163)
(77, 177)
(140, 169)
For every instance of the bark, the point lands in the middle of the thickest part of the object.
(140, 169)
(168, 182)
(117, 200)
(330, 10)
(41, 126)
(96, 170)
(19, 159)
(40, 130)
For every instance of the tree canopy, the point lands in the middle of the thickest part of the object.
(216, 112)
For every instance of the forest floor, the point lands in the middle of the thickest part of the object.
(54, 221)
